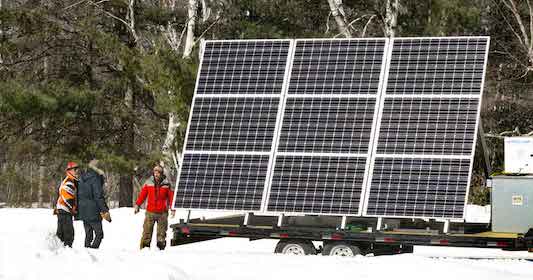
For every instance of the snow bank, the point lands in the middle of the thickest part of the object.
(29, 250)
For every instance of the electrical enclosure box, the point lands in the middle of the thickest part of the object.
(519, 155)
(512, 203)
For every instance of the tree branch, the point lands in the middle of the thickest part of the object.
(130, 26)
(366, 25)
(203, 33)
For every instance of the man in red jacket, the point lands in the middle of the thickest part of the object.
(157, 190)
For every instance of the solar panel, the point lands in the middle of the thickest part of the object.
(422, 159)
(230, 137)
(375, 127)
(326, 128)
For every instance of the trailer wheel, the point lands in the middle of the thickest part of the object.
(407, 249)
(342, 249)
(295, 247)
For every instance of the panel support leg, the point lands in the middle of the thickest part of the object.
(280, 219)
(343, 222)
(188, 217)
(247, 218)
(446, 226)
(379, 224)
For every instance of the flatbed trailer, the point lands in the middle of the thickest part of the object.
(359, 236)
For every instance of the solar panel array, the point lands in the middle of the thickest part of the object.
(372, 127)
(326, 126)
(230, 138)
(427, 129)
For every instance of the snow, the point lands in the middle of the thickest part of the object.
(30, 250)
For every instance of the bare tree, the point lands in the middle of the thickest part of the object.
(169, 31)
(338, 13)
(522, 28)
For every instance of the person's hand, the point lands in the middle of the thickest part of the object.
(106, 216)
(136, 209)
(55, 211)
(172, 214)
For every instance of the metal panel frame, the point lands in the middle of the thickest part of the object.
(354, 96)
(184, 150)
(478, 121)
(378, 127)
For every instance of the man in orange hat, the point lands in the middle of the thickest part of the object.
(66, 206)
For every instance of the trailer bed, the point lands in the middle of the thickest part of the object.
(265, 227)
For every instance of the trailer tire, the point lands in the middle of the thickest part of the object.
(343, 249)
(295, 247)
(407, 249)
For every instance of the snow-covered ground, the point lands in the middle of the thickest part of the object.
(29, 250)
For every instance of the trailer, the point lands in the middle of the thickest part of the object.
(360, 236)
(365, 145)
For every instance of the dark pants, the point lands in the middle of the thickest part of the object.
(148, 227)
(65, 228)
(93, 234)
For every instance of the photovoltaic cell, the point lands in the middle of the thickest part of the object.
(327, 125)
(346, 66)
(222, 181)
(317, 184)
(437, 66)
(419, 187)
(233, 119)
(326, 128)
(243, 67)
(428, 126)
(427, 129)
(233, 124)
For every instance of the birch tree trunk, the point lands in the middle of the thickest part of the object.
(206, 11)
(167, 151)
(336, 11)
(391, 18)
(191, 22)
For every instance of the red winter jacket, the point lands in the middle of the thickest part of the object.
(159, 195)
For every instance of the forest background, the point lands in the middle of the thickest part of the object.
(114, 79)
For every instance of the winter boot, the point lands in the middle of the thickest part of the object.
(161, 245)
(144, 245)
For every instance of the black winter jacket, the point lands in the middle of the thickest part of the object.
(91, 201)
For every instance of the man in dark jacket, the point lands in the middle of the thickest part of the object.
(91, 204)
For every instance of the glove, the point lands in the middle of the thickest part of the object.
(55, 211)
(106, 216)
(172, 214)
(136, 209)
